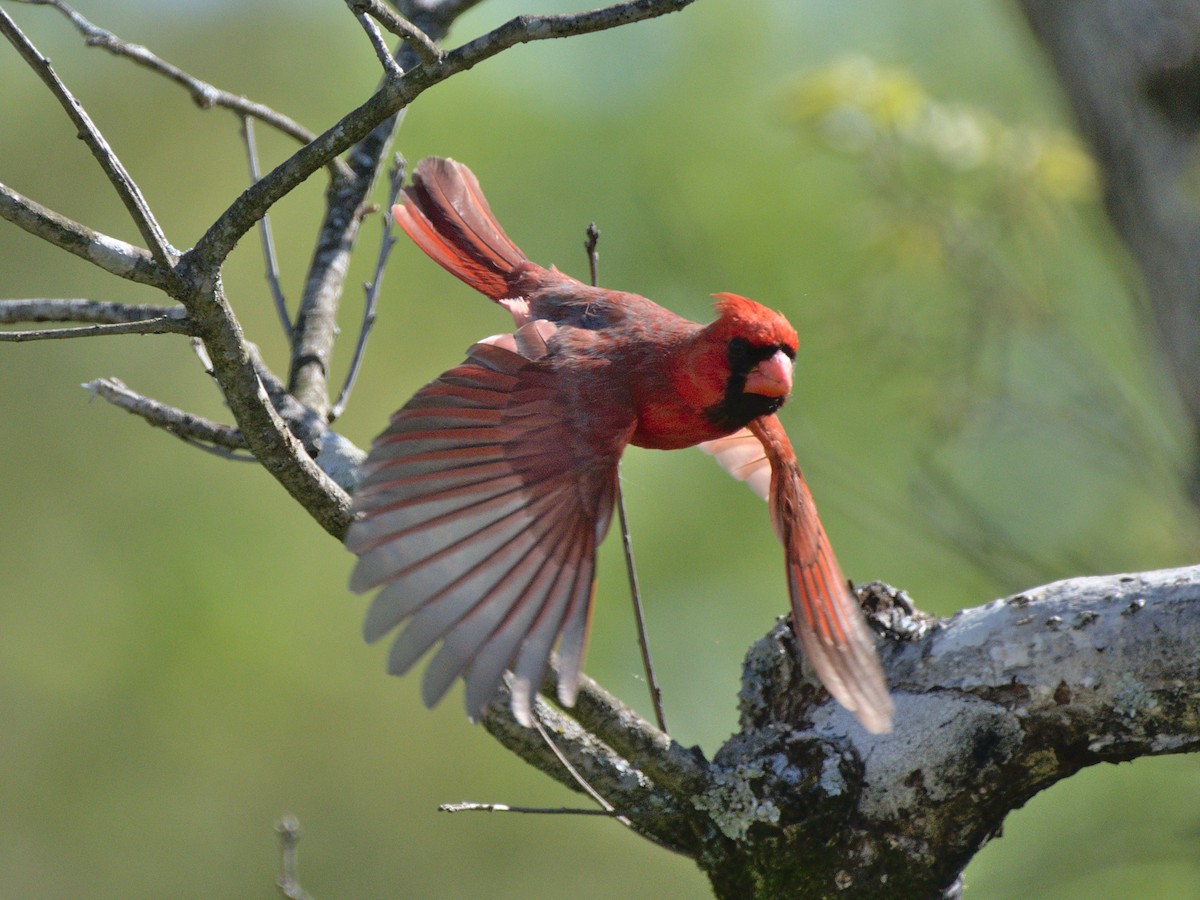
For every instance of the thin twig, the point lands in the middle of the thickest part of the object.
(591, 245)
(673, 767)
(264, 230)
(425, 48)
(161, 325)
(388, 240)
(100, 312)
(182, 424)
(205, 95)
(288, 829)
(533, 810)
(382, 52)
(118, 176)
(579, 779)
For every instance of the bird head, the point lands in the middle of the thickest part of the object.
(759, 347)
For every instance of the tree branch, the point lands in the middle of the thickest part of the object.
(160, 325)
(78, 310)
(204, 95)
(109, 253)
(654, 813)
(420, 42)
(395, 94)
(127, 190)
(264, 230)
(993, 705)
(182, 424)
(390, 68)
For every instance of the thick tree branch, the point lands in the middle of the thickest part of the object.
(109, 253)
(127, 190)
(992, 706)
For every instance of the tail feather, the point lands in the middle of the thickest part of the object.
(446, 215)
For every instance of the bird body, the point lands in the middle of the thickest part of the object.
(481, 506)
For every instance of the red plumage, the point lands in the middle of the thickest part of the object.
(482, 505)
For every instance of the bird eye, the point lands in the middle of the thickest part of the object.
(739, 353)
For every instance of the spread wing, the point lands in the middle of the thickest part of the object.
(825, 613)
(478, 516)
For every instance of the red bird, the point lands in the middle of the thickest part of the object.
(481, 506)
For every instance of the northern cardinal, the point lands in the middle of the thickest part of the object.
(480, 508)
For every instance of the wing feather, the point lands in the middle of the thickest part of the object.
(825, 613)
(478, 518)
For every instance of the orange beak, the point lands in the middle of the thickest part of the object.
(772, 377)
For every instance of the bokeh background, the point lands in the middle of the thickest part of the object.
(978, 407)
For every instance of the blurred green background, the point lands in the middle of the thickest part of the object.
(978, 408)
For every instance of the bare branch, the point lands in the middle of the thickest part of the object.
(382, 51)
(676, 768)
(387, 241)
(571, 770)
(127, 190)
(264, 229)
(79, 310)
(993, 706)
(205, 95)
(179, 423)
(467, 806)
(395, 94)
(420, 42)
(161, 325)
(525, 29)
(109, 253)
(665, 817)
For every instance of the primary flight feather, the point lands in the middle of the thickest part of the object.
(481, 506)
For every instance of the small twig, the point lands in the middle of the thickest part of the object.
(534, 810)
(429, 51)
(395, 181)
(161, 325)
(579, 779)
(205, 95)
(99, 312)
(264, 230)
(288, 829)
(670, 765)
(635, 591)
(591, 245)
(118, 176)
(382, 51)
(184, 425)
